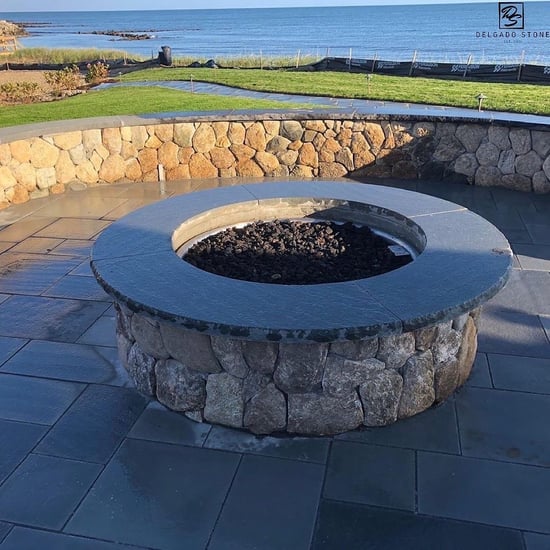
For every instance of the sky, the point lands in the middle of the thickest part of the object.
(100, 5)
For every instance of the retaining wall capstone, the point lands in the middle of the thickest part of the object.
(486, 154)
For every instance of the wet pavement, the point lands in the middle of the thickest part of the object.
(88, 463)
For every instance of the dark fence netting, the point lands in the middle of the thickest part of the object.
(456, 71)
(117, 66)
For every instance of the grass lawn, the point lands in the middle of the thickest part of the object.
(522, 98)
(129, 101)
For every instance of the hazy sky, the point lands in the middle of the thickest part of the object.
(98, 5)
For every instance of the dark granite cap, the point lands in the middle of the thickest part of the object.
(465, 262)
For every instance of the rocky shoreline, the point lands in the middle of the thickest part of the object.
(7, 28)
(119, 35)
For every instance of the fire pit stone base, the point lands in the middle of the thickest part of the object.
(314, 359)
(314, 388)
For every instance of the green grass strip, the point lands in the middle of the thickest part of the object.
(130, 100)
(519, 98)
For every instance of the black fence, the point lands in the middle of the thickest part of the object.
(536, 74)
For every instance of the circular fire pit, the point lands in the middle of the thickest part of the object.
(308, 359)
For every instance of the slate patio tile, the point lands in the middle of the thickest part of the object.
(44, 318)
(36, 245)
(74, 247)
(56, 485)
(9, 346)
(517, 236)
(35, 400)
(157, 423)
(526, 291)
(17, 439)
(545, 322)
(534, 541)
(527, 374)
(180, 490)
(504, 425)
(354, 527)
(367, 474)
(24, 228)
(72, 205)
(511, 332)
(269, 493)
(73, 228)
(78, 288)
(307, 449)
(95, 425)
(540, 232)
(484, 491)
(74, 362)
(480, 375)
(83, 269)
(535, 257)
(24, 538)
(23, 273)
(126, 207)
(4, 530)
(433, 430)
(101, 333)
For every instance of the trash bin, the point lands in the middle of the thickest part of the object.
(165, 56)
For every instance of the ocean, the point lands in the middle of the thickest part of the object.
(447, 32)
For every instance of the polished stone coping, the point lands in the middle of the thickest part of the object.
(465, 262)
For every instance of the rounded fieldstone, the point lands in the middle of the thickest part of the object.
(396, 349)
(147, 334)
(380, 395)
(229, 354)
(190, 348)
(418, 385)
(266, 412)
(261, 356)
(466, 164)
(314, 413)
(357, 350)
(224, 400)
(179, 387)
(342, 375)
(141, 368)
(487, 154)
(300, 368)
(446, 377)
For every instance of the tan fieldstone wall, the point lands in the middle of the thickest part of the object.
(475, 153)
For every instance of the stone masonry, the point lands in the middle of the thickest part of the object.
(301, 388)
(476, 153)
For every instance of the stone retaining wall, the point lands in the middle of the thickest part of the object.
(312, 388)
(476, 153)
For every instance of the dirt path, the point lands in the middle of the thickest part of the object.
(24, 76)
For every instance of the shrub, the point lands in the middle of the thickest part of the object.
(20, 92)
(97, 72)
(67, 79)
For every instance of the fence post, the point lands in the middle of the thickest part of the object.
(412, 63)
(298, 58)
(521, 61)
(467, 65)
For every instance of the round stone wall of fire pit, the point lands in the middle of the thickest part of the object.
(312, 359)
